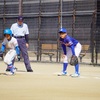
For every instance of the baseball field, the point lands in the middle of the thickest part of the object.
(44, 84)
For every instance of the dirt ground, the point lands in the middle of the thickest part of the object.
(44, 84)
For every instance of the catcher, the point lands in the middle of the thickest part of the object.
(71, 48)
(13, 50)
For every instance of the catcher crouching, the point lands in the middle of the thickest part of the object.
(71, 49)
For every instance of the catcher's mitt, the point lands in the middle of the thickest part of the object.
(74, 60)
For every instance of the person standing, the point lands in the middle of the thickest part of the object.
(20, 31)
(71, 47)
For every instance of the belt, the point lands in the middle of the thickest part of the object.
(19, 36)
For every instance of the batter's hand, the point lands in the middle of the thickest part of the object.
(27, 45)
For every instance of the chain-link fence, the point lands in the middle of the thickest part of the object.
(44, 19)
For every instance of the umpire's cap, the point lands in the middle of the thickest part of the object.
(20, 18)
(8, 31)
(62, 30)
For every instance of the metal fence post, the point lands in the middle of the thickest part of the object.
(20, 7)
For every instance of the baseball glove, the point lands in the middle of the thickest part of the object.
(74, 60)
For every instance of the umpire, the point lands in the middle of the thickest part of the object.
(20, 32)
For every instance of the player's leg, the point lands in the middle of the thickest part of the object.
(8, 60)
(13, 61)
(65, 62)
(77, 52)
(23, 48)
(64, 69)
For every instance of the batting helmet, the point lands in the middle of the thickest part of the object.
(62, 30)
(8, 31)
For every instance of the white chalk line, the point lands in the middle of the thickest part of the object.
(85, 76)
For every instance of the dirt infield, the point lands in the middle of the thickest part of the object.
(44, 84)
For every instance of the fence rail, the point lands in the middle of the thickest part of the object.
(44, 19)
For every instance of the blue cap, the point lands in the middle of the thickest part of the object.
(62, 30)
(20, 18)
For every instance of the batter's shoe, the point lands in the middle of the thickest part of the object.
(62, 73)
(75, 75)
(10, 73)
(7, 70)
(14, 70)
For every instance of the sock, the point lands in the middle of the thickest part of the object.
(77, 69)
(10, 66)
(65, 66)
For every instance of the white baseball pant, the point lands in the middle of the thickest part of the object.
(78, 48)
(10, 56)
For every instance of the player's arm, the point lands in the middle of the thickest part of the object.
(27, 39)
(64, 49)
(3, 47)
(17, 49)
(73, 49)
(63, 46)
(18, 52)
(26, 36)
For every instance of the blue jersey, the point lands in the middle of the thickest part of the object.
(68, 40)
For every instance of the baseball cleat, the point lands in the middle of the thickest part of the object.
(7, 69)
(10, 73)
(30, 70)
(62, 74)
(14, 70)
(75, 75)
